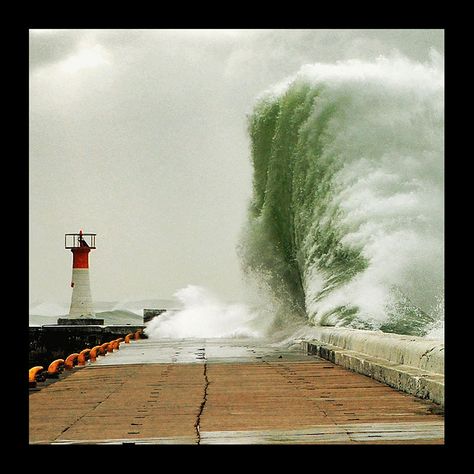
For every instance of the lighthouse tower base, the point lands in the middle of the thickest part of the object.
(81, 321)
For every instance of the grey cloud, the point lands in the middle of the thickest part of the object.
(51, 46)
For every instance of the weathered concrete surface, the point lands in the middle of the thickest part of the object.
(408, 363)
(214, 391)
(426, 354)
(199, 351)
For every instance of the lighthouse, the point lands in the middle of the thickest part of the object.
(81, 310)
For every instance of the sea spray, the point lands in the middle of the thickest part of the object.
(346, 222)
(204, 315)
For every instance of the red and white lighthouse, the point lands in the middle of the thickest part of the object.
(81, 301)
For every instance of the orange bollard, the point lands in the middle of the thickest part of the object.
(32, 374)
(137, 334)
(116, 344)
(69, 362)
(95, 351)
(127, 338)
(81, 359)
(54, 367)
(104, 347)
(110, 346)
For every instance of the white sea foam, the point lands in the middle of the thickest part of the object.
(204, 315)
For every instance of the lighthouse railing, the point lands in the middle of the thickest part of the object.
(72, 241)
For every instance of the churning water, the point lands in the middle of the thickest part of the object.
(203, 314)
(346, 222)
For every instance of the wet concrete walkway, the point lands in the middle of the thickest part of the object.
(218, 391)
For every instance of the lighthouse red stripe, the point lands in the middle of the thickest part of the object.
(80, 257)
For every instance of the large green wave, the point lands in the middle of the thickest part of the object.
(345, 224)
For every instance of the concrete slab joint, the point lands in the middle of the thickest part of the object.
(197, 425)
(411, 364)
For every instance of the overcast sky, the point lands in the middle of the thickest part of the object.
(141, 137)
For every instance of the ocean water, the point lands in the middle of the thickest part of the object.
(346, 221)
(112, 312)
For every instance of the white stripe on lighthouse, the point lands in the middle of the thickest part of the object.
(81, 301)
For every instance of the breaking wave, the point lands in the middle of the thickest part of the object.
(346, 222)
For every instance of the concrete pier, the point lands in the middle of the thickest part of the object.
(412, 364)
(215, 391)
